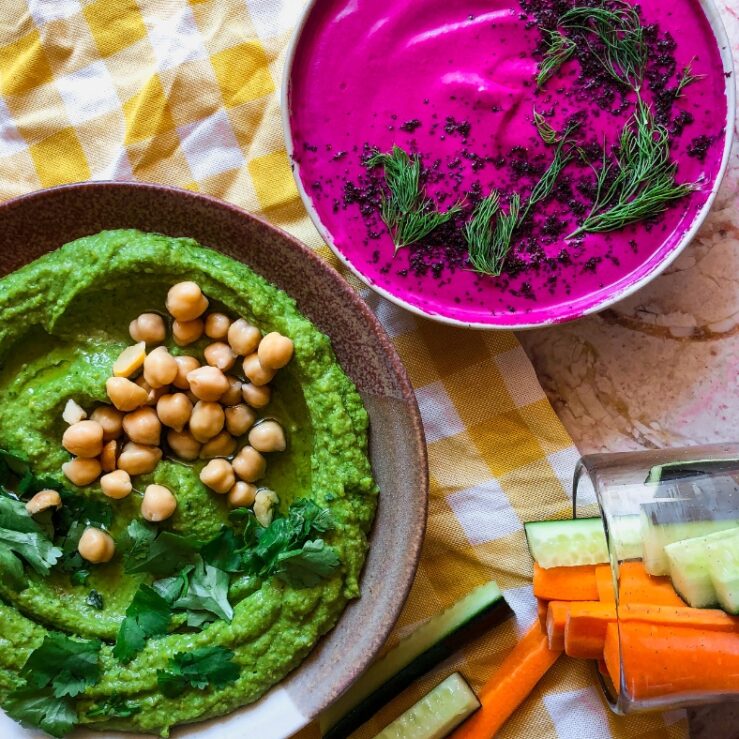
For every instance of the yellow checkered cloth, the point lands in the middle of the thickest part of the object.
(187, 94)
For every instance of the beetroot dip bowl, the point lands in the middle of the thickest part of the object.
(455, 85)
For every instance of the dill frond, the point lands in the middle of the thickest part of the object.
(559, 49)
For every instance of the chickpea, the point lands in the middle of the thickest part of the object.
(223, 445)
(185, 365)
(149, 328)
(174, 410)
(84, 439)
(218, 475)
(242, 494)
(219, 354)
(110, 419)
(158, 504)
(73, 412)
(243, 337)
(257, 396)
(81, 472)
(124, 394)
(184, 445)
(43, 500)
(143, 426)
(207, 420)
(275, 350)
(249, 464)
(138, 459)
(186, 302)
(130, 360)
(116, 484)
(208, 383)
(232, 396)
(217, 325)
(187, 332)
(239, 419)
(152, 395)
(268, 436)
(255, 372)
(264, 502)
(96, 546)
(160, 367)
(109, 456)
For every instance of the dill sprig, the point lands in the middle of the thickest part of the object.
(558, 50)
(639, 183)
(547, 134)
(614, 35)
(488, 245)
(407, 212)
(686, 78)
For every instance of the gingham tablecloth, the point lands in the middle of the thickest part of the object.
(187, 94)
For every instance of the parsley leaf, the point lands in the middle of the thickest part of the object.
(66, 665)
(148, 615)
(202, 590)
(201, 668)
(32, 707)
(222, 551)
(115, 707)
(307, 566)
(289, 548)
(95, 600)
(159, 554)
(21, 536)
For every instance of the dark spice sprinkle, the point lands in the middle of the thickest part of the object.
(698, 147)
(410, 126)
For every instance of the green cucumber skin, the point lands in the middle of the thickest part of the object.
(679, 470)
(496, 614)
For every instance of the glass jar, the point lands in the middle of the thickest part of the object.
(657, 509)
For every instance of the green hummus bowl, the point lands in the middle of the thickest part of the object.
(65, 320)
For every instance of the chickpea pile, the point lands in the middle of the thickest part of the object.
(178, 405)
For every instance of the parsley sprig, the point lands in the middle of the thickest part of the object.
(200, 669)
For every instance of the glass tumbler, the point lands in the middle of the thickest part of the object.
(671, 519)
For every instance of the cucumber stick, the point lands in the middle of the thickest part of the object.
(723, 567)
(690, 566)
(430, 644)
(581, 541)
(436, 714)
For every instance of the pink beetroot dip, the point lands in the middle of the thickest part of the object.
(455, 83)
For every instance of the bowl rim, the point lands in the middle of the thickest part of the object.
(414, 538)
(713, 16)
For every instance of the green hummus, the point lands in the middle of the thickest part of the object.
(64, 321)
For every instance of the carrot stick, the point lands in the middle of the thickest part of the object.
(660, 660)
(556, 622)
(604, 583)
(612, 655)
(512, 682)
(541, 612)
(585, 630)
(565, 583)
(636, 585)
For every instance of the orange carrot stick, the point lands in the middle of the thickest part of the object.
(585, 630)
(565, 583)
(604, 583)
(541, 612)
(636, 585)
(661, 660)
(556, 622)
(612, 655)
(512, 682)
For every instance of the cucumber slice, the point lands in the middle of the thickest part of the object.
(690, 468)
(723, 567)
(581, 541)
(436, 714)
(671, 521)
(430, 644)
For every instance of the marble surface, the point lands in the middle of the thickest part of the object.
(660, 368)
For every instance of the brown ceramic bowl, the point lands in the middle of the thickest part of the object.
(42, 221)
